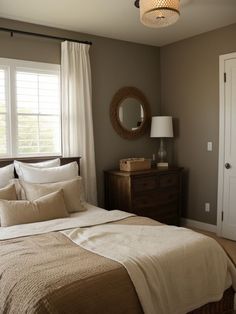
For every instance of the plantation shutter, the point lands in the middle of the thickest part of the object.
(38, 112)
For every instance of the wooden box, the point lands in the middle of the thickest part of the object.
(135, 164)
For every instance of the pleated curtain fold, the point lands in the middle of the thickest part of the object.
(77, 120)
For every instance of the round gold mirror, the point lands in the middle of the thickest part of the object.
(130, 113)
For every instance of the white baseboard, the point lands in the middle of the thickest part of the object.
(189, 223)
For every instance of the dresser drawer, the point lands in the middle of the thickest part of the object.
(169, 180)
(141, 184)
(150, 198)
(154, 193)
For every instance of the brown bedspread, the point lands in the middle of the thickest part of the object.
(50, 274)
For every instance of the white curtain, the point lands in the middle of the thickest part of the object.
(77, 120)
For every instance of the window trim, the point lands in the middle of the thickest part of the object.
(11, 66)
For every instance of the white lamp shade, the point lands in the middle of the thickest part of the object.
(162, 127)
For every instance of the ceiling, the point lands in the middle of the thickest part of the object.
(120, 19)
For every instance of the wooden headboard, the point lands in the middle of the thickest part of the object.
(64, 160)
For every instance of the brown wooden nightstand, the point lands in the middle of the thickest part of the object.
(154, 193)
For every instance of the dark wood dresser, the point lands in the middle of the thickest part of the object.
(154, 193)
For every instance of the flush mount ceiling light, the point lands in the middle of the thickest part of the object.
(158, 13)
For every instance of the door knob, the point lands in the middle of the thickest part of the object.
(227, 166)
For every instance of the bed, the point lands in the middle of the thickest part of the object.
(46, 272)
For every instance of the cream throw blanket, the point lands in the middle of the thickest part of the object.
(174, 270)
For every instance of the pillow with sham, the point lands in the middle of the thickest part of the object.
(6, 174)
(49, 175)
(73, 192)
(8, 193)
(44, 164)
(51, 206)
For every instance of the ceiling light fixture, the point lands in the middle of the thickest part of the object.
(158, 13)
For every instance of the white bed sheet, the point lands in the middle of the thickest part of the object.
(92, 216)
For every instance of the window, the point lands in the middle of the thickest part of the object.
(30, 113)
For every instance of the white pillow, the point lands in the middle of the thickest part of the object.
(49, 175)
(6, 174)
(44, 164)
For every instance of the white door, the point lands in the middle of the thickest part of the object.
(228, 214)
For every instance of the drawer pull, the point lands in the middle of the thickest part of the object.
(170, 180)
(144, 184)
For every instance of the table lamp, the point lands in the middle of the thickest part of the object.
(162, 127)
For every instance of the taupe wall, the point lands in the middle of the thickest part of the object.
(190, 93)
(114, 64)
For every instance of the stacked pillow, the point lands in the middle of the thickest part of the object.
(73, 192)
(46, 191)
(6, 174)
(7, 189)
(47, 174)
(8, 192)
(45, 164)
(48, 207)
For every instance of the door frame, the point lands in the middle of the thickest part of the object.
(220, 196)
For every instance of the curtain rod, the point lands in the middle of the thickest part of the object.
(12, 31)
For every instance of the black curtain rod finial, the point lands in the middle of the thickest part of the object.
(136, 3)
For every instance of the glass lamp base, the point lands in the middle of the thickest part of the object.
(162, 154)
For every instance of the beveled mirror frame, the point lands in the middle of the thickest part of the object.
(118, 98)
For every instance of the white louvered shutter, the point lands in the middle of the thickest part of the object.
(38, 112)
